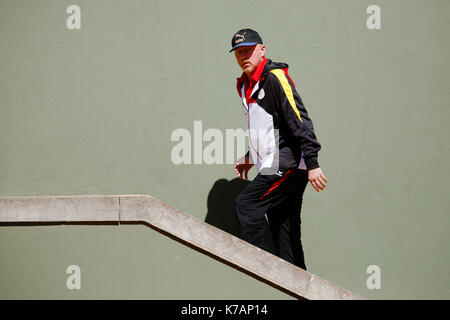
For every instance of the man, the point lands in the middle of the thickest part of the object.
(283, 147)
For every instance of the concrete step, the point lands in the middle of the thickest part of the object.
(176, 224)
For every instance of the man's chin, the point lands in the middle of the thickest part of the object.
(249, 69)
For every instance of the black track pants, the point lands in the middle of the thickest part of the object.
(280, 196)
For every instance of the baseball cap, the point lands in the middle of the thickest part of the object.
(245, 37)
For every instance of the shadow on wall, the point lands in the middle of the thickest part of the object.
(221, 213)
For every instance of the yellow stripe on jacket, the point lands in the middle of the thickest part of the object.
(287, 90)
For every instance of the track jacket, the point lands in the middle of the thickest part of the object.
(281, 135)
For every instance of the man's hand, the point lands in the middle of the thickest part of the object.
(316, 177)
(242, 167)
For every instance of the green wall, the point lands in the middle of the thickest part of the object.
(91, 111)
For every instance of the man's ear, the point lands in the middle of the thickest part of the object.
(263, 49)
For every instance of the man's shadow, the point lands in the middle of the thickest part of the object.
(221, 212)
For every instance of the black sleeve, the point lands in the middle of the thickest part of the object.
(290, 107)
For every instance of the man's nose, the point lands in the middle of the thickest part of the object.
(244, 55)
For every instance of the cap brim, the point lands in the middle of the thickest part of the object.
(244, 44)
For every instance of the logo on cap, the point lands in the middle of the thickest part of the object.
(241, 38)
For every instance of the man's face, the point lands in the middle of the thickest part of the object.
(248, 57)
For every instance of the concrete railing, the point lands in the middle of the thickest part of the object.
(182, 227)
